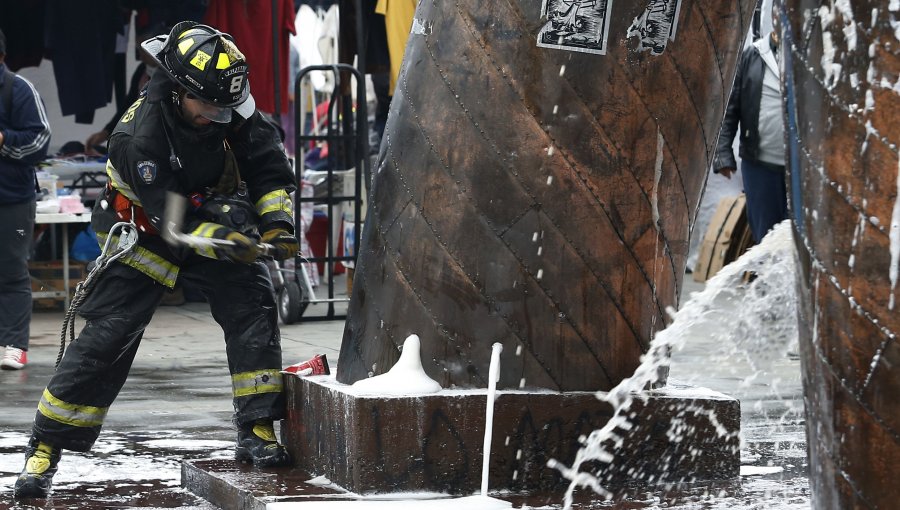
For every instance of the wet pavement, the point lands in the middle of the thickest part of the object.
(176, 405)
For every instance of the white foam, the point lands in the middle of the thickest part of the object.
(760, 470)
(493, 377)
(415, 501)
(406, 376)
(320, 480)
(894, 237)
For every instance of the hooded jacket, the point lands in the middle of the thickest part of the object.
(743, 106)
(26, 135)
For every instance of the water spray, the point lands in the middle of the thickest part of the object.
(493, 377)
(733, 308)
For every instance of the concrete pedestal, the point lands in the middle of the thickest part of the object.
(434, 442)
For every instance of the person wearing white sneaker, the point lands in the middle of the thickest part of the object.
(24, 136)
(14, 358)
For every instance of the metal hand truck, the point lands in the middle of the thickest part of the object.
(346, 131)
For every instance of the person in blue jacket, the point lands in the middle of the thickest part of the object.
(24, 136)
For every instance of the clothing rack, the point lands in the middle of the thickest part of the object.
(360, 49)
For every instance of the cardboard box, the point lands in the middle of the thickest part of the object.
(47, 276)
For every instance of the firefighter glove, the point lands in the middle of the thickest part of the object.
(244, 250)
(285, 243)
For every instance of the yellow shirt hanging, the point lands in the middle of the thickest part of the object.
(398, 17)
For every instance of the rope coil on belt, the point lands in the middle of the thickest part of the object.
(128, 238)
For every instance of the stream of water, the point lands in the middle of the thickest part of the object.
(737, 336)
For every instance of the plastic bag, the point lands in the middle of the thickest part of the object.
(85, 247)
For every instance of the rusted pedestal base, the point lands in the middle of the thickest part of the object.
(434, 443)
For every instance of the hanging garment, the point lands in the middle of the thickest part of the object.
(22, 22)
(81, 42)
(162, 15)
(250, 23)
(398, 17)
(305, 42)
(119, 62)
(376, 58)
(316, 4)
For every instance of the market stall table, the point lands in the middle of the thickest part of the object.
(86, 177)
(54, 219)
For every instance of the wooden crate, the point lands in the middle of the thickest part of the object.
(727, 237)
(48, 277)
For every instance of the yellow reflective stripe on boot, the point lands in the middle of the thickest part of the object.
(41, 461)
(208, 231)
(260, 381)
(277, 201)
(146, 262)
(70, 414)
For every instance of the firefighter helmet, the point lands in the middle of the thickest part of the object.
(206, 62)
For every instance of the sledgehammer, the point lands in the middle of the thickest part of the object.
(173, 220)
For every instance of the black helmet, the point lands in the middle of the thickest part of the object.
(206, 62)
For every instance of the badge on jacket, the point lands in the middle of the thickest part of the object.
(147, 171)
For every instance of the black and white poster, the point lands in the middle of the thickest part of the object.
(656, 26)
(575, 25)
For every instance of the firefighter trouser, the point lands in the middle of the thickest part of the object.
(95, 366)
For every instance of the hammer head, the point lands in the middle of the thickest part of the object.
(173, 222)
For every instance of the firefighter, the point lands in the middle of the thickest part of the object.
(194, 131)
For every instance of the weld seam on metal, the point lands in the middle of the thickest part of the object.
(599, 127)
(640, 267)
(490, 299)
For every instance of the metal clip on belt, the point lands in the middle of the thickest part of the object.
(127, 239)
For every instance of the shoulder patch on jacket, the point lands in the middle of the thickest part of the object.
(147, 171)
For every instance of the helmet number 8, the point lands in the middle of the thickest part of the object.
(236, 84)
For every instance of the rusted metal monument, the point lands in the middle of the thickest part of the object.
(541, 167)
(536, 187)
(843, 111)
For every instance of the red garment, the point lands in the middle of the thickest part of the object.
(250, 23)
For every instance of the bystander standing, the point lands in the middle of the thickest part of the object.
(755, 104)
(24, 137)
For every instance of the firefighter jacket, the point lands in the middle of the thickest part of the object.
(153, 151)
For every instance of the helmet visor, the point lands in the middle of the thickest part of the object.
(210, 111)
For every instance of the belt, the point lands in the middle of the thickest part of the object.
(126, 210)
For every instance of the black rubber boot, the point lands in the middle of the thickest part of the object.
(257, 445)
(40, 466)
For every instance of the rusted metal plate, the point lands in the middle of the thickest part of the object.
(435, 442)
(231, 485)
(843, 113)
(541, 167)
